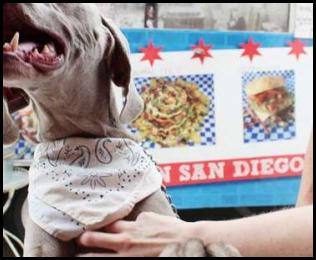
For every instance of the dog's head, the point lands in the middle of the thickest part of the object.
(45, 44)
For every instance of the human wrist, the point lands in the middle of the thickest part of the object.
(196, 229)
(208, 231)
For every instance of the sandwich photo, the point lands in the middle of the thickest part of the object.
(269, 102)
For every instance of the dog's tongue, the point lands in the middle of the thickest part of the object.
(34, 52)
(27, 50)
(41, 55)
(35, 48)
(27, 47)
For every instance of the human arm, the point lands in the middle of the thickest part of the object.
(305, 196)
(287, 232)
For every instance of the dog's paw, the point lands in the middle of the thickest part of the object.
(222, 250)
(189, 248)
(195, 248)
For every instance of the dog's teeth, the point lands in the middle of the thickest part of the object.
(15, 41)
(45, 50)
(51, 47)
(36, 51)
(7, 47)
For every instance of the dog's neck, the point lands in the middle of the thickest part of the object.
(80, 108)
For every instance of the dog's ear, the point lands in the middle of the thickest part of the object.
(10, 130)
(121, 74)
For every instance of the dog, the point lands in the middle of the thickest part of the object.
(73, 64)
(69, 59)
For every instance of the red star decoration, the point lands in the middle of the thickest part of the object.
(151, 53)
(250, 49)
(201, 51)
(297, 48)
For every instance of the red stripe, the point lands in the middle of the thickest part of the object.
(202, 172)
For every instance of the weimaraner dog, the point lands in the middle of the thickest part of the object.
(70, 61)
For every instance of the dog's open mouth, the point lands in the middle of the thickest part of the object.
(43, 50)
(43, 56)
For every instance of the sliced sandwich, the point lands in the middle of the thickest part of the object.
(270, 101)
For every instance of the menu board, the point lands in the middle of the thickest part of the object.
(226, 115)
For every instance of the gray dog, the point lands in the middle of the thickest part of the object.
(70, 61)
(70, 88)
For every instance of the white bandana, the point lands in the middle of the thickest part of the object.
(82, 183)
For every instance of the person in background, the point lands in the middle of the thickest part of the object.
(151, 15)
(236, 21)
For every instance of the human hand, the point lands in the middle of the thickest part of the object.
(147, 236)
